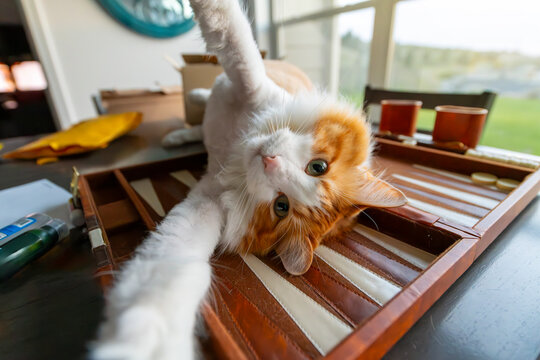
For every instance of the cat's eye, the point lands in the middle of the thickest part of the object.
(281, 206)
(317, 167)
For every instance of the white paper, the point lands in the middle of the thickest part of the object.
(39, 196)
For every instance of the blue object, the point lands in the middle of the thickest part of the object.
(22, 225)
(156, 18)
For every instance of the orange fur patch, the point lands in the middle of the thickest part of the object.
(343, 141)
(266, 231)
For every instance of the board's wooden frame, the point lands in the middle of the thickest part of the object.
(378, 333)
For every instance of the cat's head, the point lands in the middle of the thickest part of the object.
(302, 175)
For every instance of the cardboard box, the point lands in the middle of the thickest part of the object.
(199, 71)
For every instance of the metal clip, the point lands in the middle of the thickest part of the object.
(74, 187)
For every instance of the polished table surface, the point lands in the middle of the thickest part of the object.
(51, 309)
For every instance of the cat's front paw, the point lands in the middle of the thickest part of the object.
(182, 136)
(140, 333)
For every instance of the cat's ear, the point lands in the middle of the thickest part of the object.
(374, 192)
(296, 256)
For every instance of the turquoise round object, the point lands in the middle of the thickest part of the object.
(155, 18)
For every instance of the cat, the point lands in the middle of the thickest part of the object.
(285, 172)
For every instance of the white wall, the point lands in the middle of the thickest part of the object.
(83, 49)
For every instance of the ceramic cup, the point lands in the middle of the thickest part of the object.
(399, 116)
(459, 123)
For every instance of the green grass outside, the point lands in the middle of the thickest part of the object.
(513, 124)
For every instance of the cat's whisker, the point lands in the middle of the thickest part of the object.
(216, 264)
(303, 126)
(341, 194)
(211, 296)
(315, 258)
(272, 125)
(269, 248)
(289, 120)
(373, 221)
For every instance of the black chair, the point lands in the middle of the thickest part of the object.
(430, 100)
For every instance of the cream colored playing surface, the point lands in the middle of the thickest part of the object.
(453, 193)
(446, 173)
(320, 326)
(451, 175)
(413, 255)
(144, 188)
(447, 214)
(373, 285)
(185, 177)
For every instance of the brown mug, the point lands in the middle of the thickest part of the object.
(459, 123)
(399, 116)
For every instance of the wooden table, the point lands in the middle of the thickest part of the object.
(51, 309)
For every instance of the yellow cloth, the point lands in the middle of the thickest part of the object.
(85, 136)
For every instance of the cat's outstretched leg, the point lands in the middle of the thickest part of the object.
(152, 308)
(182, 136)
(228, 35)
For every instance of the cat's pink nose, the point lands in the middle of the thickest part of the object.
(270, 162)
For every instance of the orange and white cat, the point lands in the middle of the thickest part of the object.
(285, 172)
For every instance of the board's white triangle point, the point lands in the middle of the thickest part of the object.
(146, 190)
(185, 177)
(319, 325)
(373, 285)
(482, 201)
(413, 255)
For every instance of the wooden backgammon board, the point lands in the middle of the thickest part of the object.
(362, 293)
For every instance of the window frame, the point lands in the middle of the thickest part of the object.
(382, 43)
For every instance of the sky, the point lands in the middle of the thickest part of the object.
(483, 25)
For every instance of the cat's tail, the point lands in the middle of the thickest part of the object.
(228, 35)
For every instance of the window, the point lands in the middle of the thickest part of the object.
(422, 45)
(475, 46)
(287, 9)
(329, 40)
(29, 76)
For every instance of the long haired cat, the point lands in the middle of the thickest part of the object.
(285, 172)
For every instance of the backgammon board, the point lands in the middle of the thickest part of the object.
(362, 293)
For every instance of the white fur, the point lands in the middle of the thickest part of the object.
(182, 136)
(199, 96)
(152, 308)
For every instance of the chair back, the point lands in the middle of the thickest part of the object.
(430, 100)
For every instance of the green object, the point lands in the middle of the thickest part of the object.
(29, 246)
